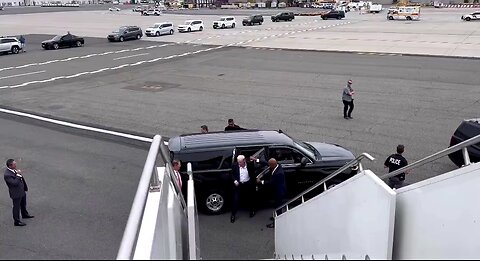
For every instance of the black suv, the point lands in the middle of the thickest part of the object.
(253, 19)
(213, 154)
(285, 16)
(467, 130)
(334, 14)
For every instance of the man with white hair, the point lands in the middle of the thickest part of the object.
(243, 174)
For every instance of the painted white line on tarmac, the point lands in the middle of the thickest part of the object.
(82, 57)
(112, 68)
(130, 56)
(22, 74)
(77, 126)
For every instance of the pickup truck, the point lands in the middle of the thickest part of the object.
(284, 16)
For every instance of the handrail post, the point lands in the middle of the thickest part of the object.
(466, 156)
(189, 171)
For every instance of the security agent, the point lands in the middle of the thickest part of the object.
(394, 162)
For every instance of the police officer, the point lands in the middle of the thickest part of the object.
(394, 162)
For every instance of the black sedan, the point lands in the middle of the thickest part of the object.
(60, 41)
(467, 130)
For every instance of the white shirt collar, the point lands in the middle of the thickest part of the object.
(12, 170)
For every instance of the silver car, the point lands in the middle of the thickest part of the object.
(160, 29)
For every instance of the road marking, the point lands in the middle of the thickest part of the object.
(82, 57)
(23, 74)
(77, 126)
(130, 56)
(111, 68)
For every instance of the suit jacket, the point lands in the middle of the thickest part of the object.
(16, 185)
(276, 181)
(236, 171)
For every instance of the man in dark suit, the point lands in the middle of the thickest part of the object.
(17, 188)
(275, 181)
(243, 175)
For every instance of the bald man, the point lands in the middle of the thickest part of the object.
(275, 179)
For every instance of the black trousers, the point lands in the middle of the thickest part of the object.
(346, 106)
(19, 204)
(244, 191)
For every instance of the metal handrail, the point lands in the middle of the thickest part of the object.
(323, 181)
(165, 153)
(460, 146)
(138, 206)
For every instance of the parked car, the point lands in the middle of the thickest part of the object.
(471, 16)
(212, 156)
(1, 7)
(125, 33)
(10, 44)
(160, 29)
(60, 41)
(333, 14)
(284, 16)
(466, 130)
(224, 22)
(114, 9)
(191, 25)
(253, 19)
(155, 11)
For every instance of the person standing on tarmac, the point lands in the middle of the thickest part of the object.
(394, 162)
(347, 98)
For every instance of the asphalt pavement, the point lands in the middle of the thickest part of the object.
(81, 188)
(417, 101)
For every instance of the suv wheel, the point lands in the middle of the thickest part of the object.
(201, 28)
(223, 26)
(409, 18)
(138, 37)
(214, 202)
(55, 46)
(79, 44)
(171, 31)
(468, 19)
(121, 39)
(157, 33)
(189, 29)
(15, 49)
(233, 25)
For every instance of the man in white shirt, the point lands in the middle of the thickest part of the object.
(243, 174)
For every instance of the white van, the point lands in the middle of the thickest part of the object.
(404, 12)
